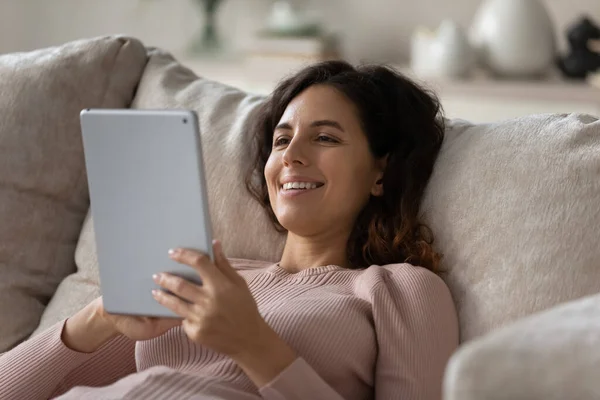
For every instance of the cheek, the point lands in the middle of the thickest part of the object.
(271, 173)
(346, 171)
(353, 181)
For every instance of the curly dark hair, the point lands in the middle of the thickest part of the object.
(401, 120)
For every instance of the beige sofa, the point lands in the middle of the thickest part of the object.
(515, 207)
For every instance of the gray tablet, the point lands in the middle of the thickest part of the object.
(148, 194)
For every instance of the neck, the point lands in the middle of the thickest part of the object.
(303, 252)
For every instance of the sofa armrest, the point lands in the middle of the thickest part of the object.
(550, 355)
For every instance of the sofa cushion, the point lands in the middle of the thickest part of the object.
(79, 288)
(43, 186)
(552, 355)
(224, 114)
(515, 208)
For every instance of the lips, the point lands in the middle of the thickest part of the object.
(293, 193)
(291, 186)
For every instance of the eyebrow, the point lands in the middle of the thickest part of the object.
(314, 124)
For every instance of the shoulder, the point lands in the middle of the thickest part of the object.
(403, 279)
(415, 280)
(417, 331)
(415, 293)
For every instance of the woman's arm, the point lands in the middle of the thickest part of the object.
(43, 366)
(280, 374)
(299, 381)
(417, 332)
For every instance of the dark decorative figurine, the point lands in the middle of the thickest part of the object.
(582, 58)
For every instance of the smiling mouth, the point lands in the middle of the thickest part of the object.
(300, 186)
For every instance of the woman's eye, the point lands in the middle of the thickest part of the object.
(324, 138)
(280, 141)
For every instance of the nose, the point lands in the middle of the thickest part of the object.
(295, 153)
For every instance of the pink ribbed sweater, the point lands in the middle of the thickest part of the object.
(378, 333)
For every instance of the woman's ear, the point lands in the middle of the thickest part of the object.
(377, 189)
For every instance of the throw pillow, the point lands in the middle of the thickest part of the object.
(43, 186)
(237, 219)
(551, 355)
(515, 210)
(79, 288)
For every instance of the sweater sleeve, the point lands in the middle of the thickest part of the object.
(417, 332)
(299, 381)
(43, 367)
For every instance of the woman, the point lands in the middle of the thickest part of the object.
(343, 157)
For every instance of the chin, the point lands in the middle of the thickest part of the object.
(298, 224)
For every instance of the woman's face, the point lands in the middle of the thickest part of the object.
(320, 173)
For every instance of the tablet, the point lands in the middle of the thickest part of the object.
(147, 195)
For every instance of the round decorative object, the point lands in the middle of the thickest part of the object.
(285, 20)
(514, 37)
(445, 53)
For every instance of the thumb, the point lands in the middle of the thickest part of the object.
(221, 261)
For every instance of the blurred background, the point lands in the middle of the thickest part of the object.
(521, 55)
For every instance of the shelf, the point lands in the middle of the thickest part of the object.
(248, 74)
(553, 88)
(481, 98)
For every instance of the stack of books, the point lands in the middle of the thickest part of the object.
(287, 52)
(594, 79)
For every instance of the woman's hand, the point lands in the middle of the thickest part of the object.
(92, 326)
(222, 314)
(137, 328)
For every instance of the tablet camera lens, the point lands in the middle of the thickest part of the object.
(185, 120)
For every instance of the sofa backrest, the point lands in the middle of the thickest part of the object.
(513, 205)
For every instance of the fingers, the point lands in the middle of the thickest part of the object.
(179, 286)
(199, 261)
(173, 303)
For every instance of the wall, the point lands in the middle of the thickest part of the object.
(13, 34)
(30, 24)
(375, 30)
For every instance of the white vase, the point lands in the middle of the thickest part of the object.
(444, 53)
(514, 37)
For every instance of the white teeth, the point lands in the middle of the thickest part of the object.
(299, 185)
